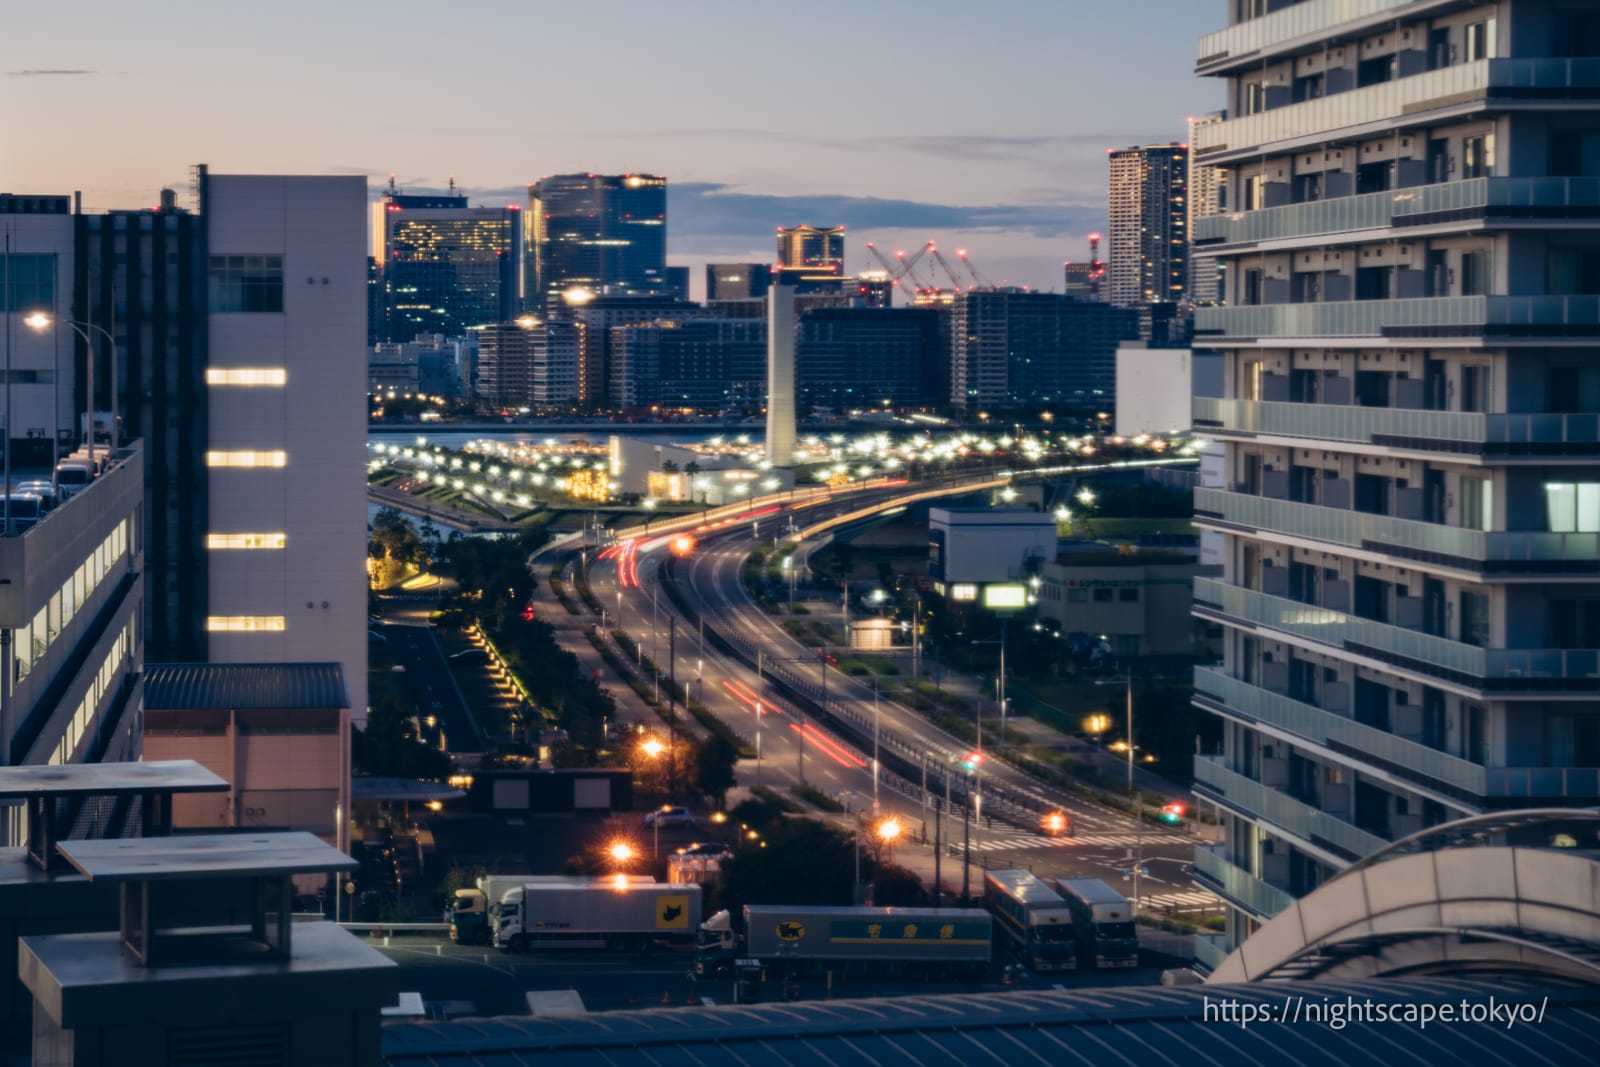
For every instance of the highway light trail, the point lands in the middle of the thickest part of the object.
(840, 755)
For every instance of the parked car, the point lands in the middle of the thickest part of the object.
(374, 637)
(669, 815)
(45, 491)
(471, 655)
(715, 850)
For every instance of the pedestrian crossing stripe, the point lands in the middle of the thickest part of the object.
(1042, 841)
(1190, 901)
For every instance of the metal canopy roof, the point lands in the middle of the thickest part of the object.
(203, 686)
(108, 779)
(1139, 1026)
(162, 859)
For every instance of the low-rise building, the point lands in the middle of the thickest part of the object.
(973, 545)
(1137, 602)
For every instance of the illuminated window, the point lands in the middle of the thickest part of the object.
(247, 376)
(247, 459)
(244, 624)
(245, 540)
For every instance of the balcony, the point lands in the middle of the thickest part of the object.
(1460, 432)
(1497, 553)
(1209, 952)
(1407, 101)
(1295, 818)
(1427, 766)
(1469, 782)
(1342, 114)
(1472, 200)
(1444, 316)
(1234, 883)
(1500, 669)
(1259, 37)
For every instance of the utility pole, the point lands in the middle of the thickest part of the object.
(672, 711)
(655, 644)
(916, 648)
(938, 840)
(759, 653)
(1138, 804)
(874, 746)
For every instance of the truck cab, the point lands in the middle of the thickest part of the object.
(716, 946)
(469, 917)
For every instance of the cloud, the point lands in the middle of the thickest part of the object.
(40, 72)
(710, 212)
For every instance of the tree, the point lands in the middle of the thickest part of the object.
(669, 466)
(805, 862)
(712, 772)
(894, 886)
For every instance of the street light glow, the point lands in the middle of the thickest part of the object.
(653, 748)
(621, 851)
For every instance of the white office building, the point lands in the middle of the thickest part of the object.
(285, 388)
(1411, 426)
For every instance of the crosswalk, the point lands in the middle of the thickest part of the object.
(1184, 900)
(1023, 840)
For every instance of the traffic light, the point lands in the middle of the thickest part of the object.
(970, 761)
(1172, 814)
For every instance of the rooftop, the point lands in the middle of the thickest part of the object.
(1093, 1026)
(199, 686)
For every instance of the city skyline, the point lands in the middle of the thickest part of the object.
(899, 136)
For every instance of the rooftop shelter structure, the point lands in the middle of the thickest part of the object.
(40, 893)
(208, 966)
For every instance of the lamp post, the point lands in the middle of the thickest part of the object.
(653, 749)
(38, 321)
(1138, 799)
(886, 831)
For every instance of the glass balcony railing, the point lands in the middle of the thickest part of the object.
(1339, 422)
(1375, 211)
(1371, 318)
(1367, 425)
(1323, 118)
(1237, 884)
(1296, 818)
(1299, 20)
(1209, 951)
(1356, 529)
(1338, 629)
(1322, 727)
(1328, 727)
(1539, 783)
(1409, 97)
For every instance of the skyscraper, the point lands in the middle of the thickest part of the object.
(1208, 196)
(865, 356)
(1010, 348)
(1149, 225)
(811, 248)
(737, 281)
(1413, 481)
(606, 234)
(446, 267)
(528, 364)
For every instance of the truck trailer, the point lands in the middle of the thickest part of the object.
(1033, 917)
(937, 941)
(619, 912)
(1102, 918)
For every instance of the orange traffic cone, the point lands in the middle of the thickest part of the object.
(666, 997)
(692, 999)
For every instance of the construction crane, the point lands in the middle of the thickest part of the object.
(939, 258)
(977, 279)
(900, 269)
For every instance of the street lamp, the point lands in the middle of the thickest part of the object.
(621, 851)
(887, 832)
(39, 322)
(1138, 800)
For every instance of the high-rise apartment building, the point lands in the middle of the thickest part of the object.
(1149, 231)
(811, 248)
(603, 234)
(1208, 195)
(528, 364)
(866, 357)
(1010, 347)
(709, 364)
(446, 267)
(1411, 598)
(595, 318)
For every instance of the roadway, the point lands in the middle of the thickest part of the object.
(1101, 843)
(441, 712)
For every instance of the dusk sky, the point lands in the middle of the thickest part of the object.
(982, 125)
